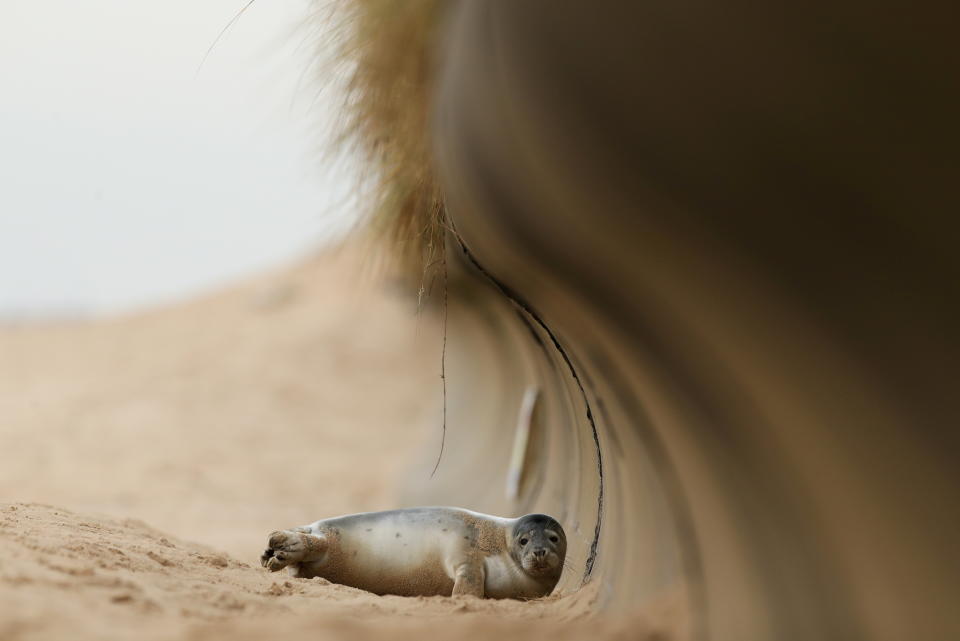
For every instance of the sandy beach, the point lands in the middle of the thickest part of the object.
(146, 458)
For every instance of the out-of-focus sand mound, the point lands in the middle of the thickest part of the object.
(291, 397)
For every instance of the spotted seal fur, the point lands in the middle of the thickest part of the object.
(426, 551)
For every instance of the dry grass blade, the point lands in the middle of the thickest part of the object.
(384, 56)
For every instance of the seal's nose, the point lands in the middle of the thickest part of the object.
(539, 554)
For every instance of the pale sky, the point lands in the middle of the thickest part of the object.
(128, 179)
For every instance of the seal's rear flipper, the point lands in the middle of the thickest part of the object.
(290, 547)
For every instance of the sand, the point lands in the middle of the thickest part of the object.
(67, 575)
(146, 458)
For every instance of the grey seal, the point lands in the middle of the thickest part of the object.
(426, 551)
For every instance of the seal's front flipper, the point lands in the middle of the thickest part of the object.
(469, 580)
(290, 547)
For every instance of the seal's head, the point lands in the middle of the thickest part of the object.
(538, 545)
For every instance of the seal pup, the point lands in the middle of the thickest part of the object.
(426, 551)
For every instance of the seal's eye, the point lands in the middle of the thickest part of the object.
(554, 539)
(523, 541)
